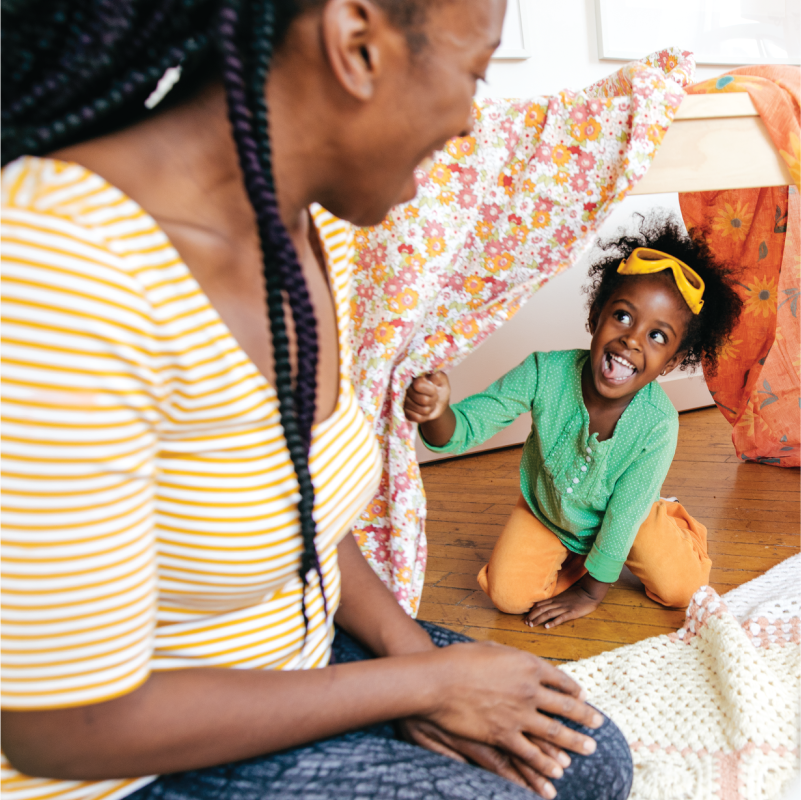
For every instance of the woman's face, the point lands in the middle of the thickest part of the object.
(420, 101)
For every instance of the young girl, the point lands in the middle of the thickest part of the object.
(603, 434)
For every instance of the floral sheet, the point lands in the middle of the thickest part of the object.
(498, 213)
(758, 385)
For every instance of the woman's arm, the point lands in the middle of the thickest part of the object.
(370, 613)
(194, 718)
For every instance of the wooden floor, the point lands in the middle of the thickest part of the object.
(751, 511)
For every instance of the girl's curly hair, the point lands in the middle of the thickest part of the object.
(706, 332)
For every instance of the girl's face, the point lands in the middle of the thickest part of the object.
(636, 335)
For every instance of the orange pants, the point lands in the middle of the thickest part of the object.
(529, 563)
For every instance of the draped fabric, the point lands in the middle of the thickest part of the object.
(498, 213)
(757, 386)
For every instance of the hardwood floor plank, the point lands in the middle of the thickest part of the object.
(457, 580)
(442, 594)
(754, 537)
(455, 516)
(591, 627)
(468, 534)
(545, 646)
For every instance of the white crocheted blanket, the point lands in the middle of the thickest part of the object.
(712, 712)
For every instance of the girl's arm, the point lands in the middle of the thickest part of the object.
(476, 418)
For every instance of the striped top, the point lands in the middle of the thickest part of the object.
(150, 505)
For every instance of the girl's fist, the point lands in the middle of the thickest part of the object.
(427, 398)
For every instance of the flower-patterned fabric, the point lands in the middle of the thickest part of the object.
(758, 383)
(497, 214)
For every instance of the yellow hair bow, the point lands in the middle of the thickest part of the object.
(644, 261)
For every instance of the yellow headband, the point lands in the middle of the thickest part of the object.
(644, 261)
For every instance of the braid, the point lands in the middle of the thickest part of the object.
(109, 42)
(91, 87)
(291, 275)
(279, 260)
(74, 69)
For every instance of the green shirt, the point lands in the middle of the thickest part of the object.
(593, 495)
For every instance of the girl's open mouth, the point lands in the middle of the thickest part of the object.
(617, 369)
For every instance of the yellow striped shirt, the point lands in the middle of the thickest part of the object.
(150, 505)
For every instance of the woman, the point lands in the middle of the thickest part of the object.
(176, 527)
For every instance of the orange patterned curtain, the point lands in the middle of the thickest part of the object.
(758, 388)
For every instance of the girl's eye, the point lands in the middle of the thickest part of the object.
(623, 316)
(659, 337)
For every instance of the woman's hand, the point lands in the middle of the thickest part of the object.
(427, 397)
(371, 614)
(496, 696)
(425, 733)
(580, 599)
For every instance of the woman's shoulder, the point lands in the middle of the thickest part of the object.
(66, 228)
(44, 198)
(54, 189)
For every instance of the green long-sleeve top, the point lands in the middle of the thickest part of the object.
(593, 495)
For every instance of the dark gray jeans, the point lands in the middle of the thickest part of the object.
(373, 764)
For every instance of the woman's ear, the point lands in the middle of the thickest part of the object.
(353, 33)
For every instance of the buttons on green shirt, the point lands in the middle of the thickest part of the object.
(600, 514)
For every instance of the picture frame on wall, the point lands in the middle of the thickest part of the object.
(513, 39)
(718, 32)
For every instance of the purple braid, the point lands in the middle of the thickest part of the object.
(107, 40)
(280, 260)
(291, 274)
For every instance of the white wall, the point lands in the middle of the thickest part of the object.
(561, 36)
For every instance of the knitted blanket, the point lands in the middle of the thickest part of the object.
(711, 712)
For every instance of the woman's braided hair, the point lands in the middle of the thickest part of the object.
(76, 69)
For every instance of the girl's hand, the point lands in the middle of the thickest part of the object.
(428, 397)
(580, 599)
(495, 696)
(426, 734)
